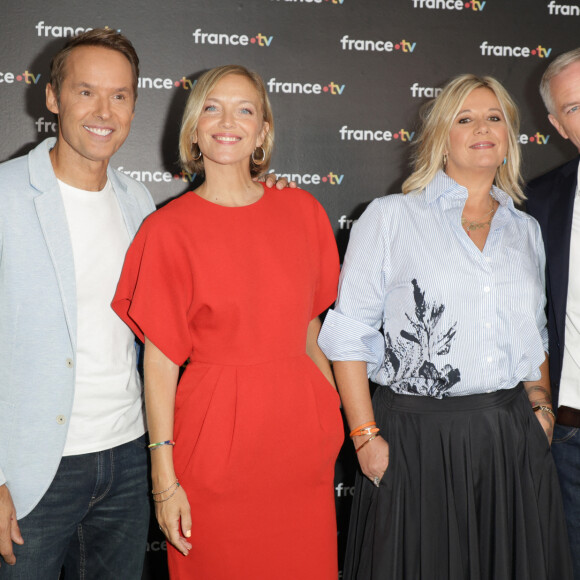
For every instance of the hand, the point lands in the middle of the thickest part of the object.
(373, 457)
(169, 515)
(281, 183)
(547, 422)
(9, 530)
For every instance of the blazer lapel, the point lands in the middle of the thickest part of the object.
(130, 210)
(558, 243)
(52, 218)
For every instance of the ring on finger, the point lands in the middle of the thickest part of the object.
(376, 480)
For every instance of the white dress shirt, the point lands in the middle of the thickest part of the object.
(428, 311)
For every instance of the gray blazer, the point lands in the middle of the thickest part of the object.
(38, 318)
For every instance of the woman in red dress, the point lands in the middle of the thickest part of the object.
(232, 277)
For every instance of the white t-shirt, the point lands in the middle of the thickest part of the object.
(570, 380)
(108, 406)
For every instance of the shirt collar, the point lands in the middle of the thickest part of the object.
(443, 186)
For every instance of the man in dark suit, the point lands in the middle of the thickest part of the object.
(553, 201)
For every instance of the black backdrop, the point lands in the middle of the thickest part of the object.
(346, 79)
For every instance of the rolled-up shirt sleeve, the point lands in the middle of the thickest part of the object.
(352, 330)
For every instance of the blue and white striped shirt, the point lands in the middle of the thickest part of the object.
(454, 320)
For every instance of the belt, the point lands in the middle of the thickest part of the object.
(568, 417)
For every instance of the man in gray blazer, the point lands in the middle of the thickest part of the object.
(553, 201)
(73, 458)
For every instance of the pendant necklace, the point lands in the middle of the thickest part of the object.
(470, 226)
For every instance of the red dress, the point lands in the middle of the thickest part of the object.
(257, 426)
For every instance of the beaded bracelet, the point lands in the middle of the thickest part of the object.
(152, 446)
(367, 441)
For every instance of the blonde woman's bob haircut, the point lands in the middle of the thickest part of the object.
(436, 121)
(194, 107)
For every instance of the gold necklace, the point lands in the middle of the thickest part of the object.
(470, 226)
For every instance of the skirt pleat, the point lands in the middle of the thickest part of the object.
(471, 493)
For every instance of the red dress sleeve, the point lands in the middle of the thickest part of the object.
(155, 290)
(329, 265)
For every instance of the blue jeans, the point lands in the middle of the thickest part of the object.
(566, 453)
(93, 520)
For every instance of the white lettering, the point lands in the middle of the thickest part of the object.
(155, 83)
(347, 134)
(347, 43)
(26, 77)
(563, 9)
(536, 139)
(344, 490)
(344, 223)
(517, 51)
(156, 546)
(148, 176)
(313, 178)
(289, 88)
(439, 4)
(43, 126)
(428, 92)
(46, 30)
(220, 38)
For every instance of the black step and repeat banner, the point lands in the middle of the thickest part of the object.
(346, 79)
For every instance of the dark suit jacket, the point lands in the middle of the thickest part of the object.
(551, 202)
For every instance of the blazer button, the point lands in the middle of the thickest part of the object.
(69, 363)
(60, 419)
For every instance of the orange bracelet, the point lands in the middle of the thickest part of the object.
(369, 424)
(365, 431)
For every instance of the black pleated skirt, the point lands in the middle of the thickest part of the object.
(471, 493)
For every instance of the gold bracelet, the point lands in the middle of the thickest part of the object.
(367, 441)
(544, 408)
